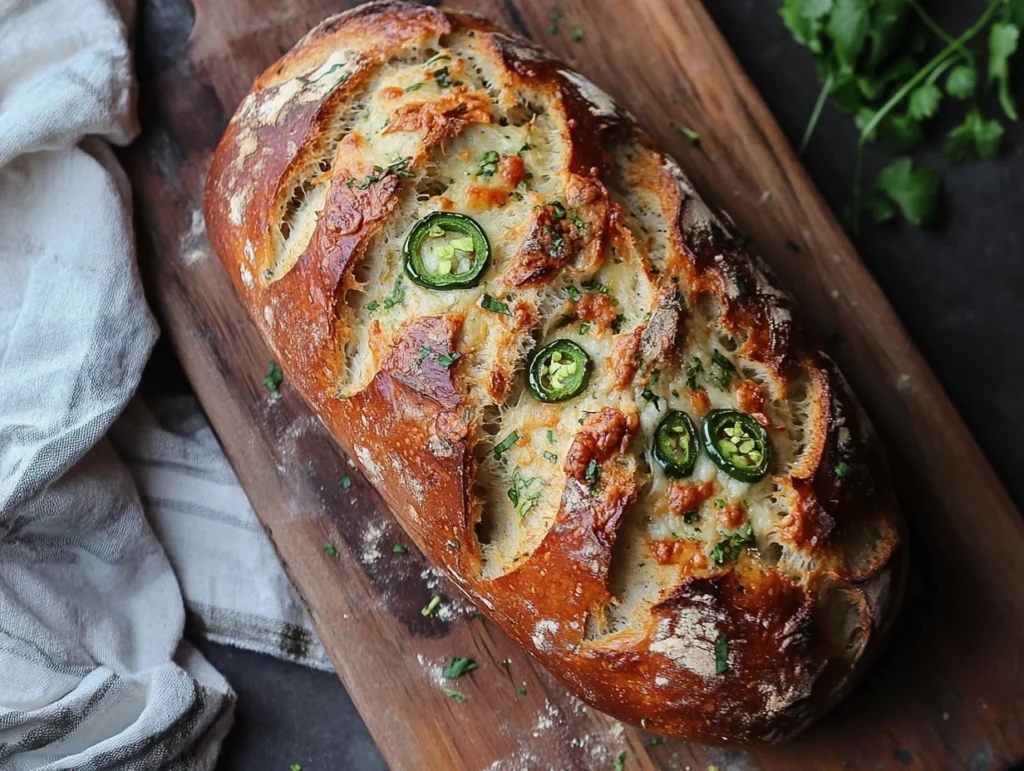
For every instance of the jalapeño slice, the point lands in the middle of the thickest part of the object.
(737, 444)
(558, 371)
(445, 250)
(675, 444)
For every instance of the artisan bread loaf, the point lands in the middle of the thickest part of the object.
(579, 393)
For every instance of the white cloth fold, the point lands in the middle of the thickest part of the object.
(94, 673)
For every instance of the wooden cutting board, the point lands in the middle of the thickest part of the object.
(949, 692)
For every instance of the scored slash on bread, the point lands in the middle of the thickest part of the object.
(705, 606)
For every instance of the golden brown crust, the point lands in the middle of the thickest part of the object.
(749, 638)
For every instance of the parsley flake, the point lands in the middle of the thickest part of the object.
(345, 481)
(399, 549)
(488, 164)
(488, 303)
(330, 549)
(272, 381)
(504, 445)
(459, 666)
(454, 695)
(842, 470)
(721, 653)
(691, 136)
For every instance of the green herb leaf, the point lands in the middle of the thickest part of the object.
(414, 87)
(721, 653)
(848, 27)
(924, 102)
(691, 516)
(488, 303)
(880, 208)
(620, 762)
(432, 606)
(454, 695)
(691, 136)
(345, 481)
(504, 444)
(272, 381)
(805, 29)
(399, 549)
(460, 666)
(550, 456)
(574, 294)
(488, 164)
(449, 358)
(371, 306)
(1002, 44)
(518, 492)
(974, 138)
(577, 34)
(913, 190)
(584, 328)
(962, 82)
(551, 436)
(295, 767)
(592, 474)
(842, 470)
(651, 397)
(329, 549)
(520, 691)
(900, 133)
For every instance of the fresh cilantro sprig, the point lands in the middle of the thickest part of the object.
(872, 60)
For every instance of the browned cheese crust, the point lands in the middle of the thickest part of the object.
(704, 607)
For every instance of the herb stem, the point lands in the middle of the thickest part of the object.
(939, 32)
(939, 59)
(826, 89)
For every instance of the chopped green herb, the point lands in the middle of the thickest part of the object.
(551, 436)
(399, 549)
(620, 762)
(517, 493)
(345, 481)
(329, 549)
(962, 81)
(577, 34)
(488, 164)
(520, 691)
(843, 470)
(333, 68)
(691, 136)
(721, 653)
(550, 456)
(460, 666)
(449, 358)
(414, 87)
(592, 474)
(399, 167)
(526, 147)
(655, 376)
(593, 285)
(655, 741)
(719, 503)
(617, 323)
(695, 369)
(454, 695)
(436, 58)
(272, 381)
(553, 28)
(651, 397)
(372, 305)
(725, 370)
(488, 303)
(574, 294)
(691, 516)
(584, 328)
(504, 444)
(295, 767)
(432, 606)
(442, 77)
(397, 296)
(730, 547)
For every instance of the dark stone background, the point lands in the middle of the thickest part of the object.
(959, 288)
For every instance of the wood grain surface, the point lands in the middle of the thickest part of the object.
(948, 693)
